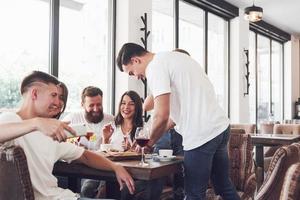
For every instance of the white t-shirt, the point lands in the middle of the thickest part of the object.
(193, 104)
(117, 138)
(41, 153)
(78, 118)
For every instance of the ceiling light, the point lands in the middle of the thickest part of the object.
(253, 13)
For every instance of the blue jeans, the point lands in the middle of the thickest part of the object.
(209, 161)
(173, 140)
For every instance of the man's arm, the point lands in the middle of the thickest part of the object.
(50, 127)
(161, 121)
(96, 161)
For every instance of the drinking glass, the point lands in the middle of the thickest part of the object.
(142, 136)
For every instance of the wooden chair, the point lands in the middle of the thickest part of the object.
(15, 180)
(291, 185)
(283, 158)
(249, 128)
(241, 165)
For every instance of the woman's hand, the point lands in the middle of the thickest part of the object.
(107, 133)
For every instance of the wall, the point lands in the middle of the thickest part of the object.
(129, 22)
(239, 40)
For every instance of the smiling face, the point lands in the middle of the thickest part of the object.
(57, 109)
(136, 67)
(47, 100)
(127, 107)
(93, 108)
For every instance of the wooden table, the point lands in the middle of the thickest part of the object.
(75, 171)
(261, 140)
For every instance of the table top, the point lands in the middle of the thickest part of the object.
(274, 139)
(152, 171)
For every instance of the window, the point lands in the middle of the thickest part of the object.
(162, 25)
(84, 45)
(191, 21)
(217, 56)
(277, 82)
(263, 78)
(266, 62)
(24, 40)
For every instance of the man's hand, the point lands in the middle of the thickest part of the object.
(54, 128)
(124, 177)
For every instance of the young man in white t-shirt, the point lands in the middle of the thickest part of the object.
(40, 100)
(182, 92)
(94, 118)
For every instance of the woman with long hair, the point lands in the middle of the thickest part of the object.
(129, 117)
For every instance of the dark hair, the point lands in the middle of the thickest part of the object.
(182, 51)
(64, 98)
(37, 76)
(128, 51)
(90, 91)
(138, 115)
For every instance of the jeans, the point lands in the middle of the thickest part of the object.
(173, 140)
(209, 161)
(90, 187)
(151, 190)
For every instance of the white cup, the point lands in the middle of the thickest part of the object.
(105, 147)
(165, 152)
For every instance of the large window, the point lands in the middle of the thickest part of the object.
(191, 31)
(217, 57)
(277, 82)
(266, 70)
(162, 25)
(263, 78)
(84, 45)
(24, 45)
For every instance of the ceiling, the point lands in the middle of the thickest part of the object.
(285, 15)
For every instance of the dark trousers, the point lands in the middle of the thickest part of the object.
(209, 161)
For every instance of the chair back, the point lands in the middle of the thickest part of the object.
(15, 180)
(283, 158)
(291, 185)
(293, 129)
(242, 170)
(249, 128)
(266, 128)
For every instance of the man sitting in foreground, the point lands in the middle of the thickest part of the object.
(40, 99)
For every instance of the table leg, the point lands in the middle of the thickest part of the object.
(259, 158)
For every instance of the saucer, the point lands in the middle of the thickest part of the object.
(166, 159)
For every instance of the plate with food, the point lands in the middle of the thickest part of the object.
(119, 155)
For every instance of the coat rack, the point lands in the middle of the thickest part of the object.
(247, 73)
(144, 41)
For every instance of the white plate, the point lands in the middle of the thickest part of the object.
(165, 159)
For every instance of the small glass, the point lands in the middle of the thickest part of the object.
(142, 136)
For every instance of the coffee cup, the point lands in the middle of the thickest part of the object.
(165, 152)
(105, 147)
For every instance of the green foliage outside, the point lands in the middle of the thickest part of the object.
(9, 94)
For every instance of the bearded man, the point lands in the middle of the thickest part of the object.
(92, 116)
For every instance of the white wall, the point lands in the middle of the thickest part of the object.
(239, 40)
(129, 22)
(291, 76)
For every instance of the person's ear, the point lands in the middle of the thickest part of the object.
(134, 60)
(34, 93)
